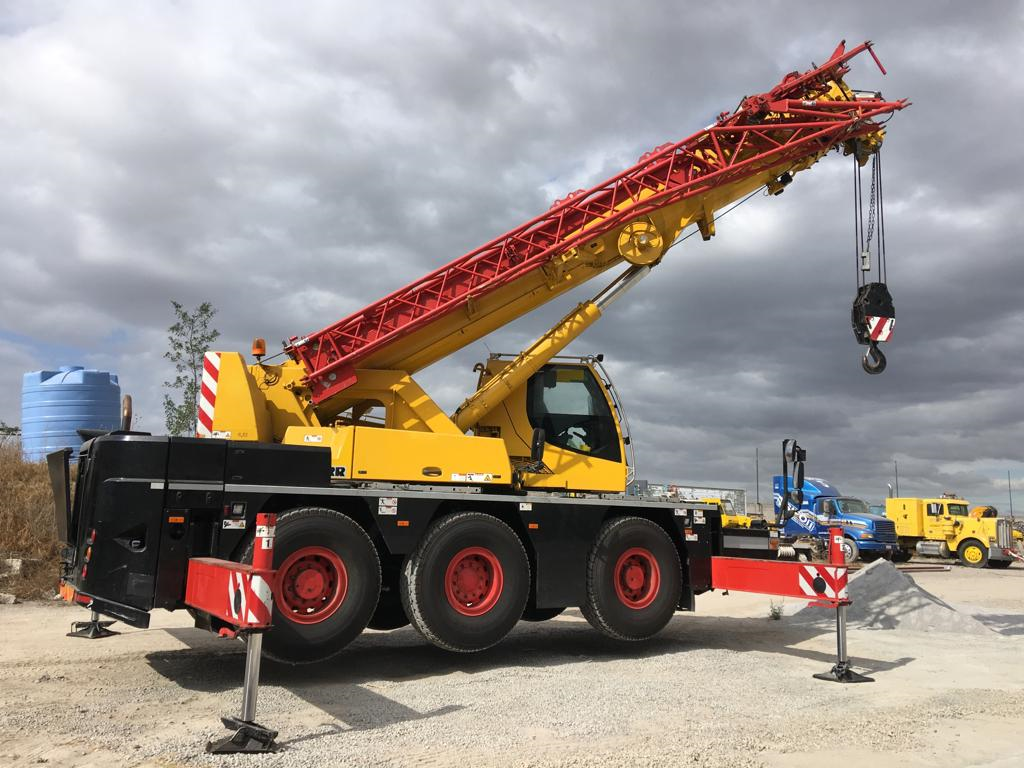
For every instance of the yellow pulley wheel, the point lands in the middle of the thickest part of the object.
(640, 243)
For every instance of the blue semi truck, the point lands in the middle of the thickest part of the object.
(863, 533)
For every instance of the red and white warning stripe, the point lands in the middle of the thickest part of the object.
(249, 598)
(880, 328)
(835, 581)
(208, 394)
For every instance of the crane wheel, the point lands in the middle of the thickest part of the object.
(326, 588)
(634, 579)
(972, 553)
(1000, 565)
(466, 584)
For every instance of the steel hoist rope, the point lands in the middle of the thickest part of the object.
(873, 315)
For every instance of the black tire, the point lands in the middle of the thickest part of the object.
(850, 550)
(902, 555)
(965, 553)
(470, 615)
(296, 642)
(1000, 565)
(541, 614)
(615, 604)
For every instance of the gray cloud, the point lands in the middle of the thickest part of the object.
(293, 167)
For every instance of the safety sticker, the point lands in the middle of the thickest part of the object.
(387, 505)
(312, 438)
(698, 518)
(525, 506)
(265, 531)
(472, 477)
(222, 434)
(680, 512)
(236, 525)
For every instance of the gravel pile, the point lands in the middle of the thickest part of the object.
(885, 598)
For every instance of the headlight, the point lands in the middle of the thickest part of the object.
(867, 535)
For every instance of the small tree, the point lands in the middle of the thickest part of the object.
(8, 434)
(188, 340)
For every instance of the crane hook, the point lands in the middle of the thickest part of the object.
(873, 361)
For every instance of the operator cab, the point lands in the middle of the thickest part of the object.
(568, 403)
(572, 401)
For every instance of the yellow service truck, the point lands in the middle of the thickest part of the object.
(945, 528)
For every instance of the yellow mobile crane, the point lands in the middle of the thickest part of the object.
(337, 375)
(511, 507)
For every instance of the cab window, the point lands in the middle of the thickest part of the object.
(568, 404)
(934, 509)
(957, 510)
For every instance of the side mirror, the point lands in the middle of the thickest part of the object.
(537, 445)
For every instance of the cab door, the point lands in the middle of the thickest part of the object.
(938, 523)
(583, 443)
(583, 446)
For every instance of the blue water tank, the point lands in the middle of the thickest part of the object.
(56, 404)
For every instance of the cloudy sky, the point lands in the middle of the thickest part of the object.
(290, 167)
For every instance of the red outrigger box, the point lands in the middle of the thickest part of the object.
(236, 593)
(823, 585)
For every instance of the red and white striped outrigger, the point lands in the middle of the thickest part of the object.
(240, 595)
(823, 585)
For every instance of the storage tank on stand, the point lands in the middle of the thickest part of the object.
(56, 404)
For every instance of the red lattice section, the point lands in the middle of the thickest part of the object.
(741, 144)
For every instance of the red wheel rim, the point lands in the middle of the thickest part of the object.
(637, 578)
(311, 583)
(473, 581)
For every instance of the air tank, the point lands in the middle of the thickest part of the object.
(56, 404)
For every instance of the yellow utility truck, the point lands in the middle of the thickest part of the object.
(945, 527)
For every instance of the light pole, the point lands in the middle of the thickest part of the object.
(757, 479)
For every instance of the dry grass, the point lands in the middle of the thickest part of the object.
(27, 527)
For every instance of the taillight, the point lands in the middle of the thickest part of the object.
(92, 536)
(85, 570)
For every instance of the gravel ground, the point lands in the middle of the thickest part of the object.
(725, 686)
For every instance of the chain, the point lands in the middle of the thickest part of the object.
(871, 205)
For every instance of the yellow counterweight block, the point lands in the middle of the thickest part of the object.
(259, 402)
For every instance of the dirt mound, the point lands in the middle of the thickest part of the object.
(885, 598)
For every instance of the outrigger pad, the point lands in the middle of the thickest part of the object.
(91, 630)
(247, 737)
(843, 673)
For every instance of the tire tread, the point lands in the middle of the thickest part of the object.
(410, 569)
(590, 610)
(326, 513)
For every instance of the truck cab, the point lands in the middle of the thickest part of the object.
(946, 527)
(864, 533)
